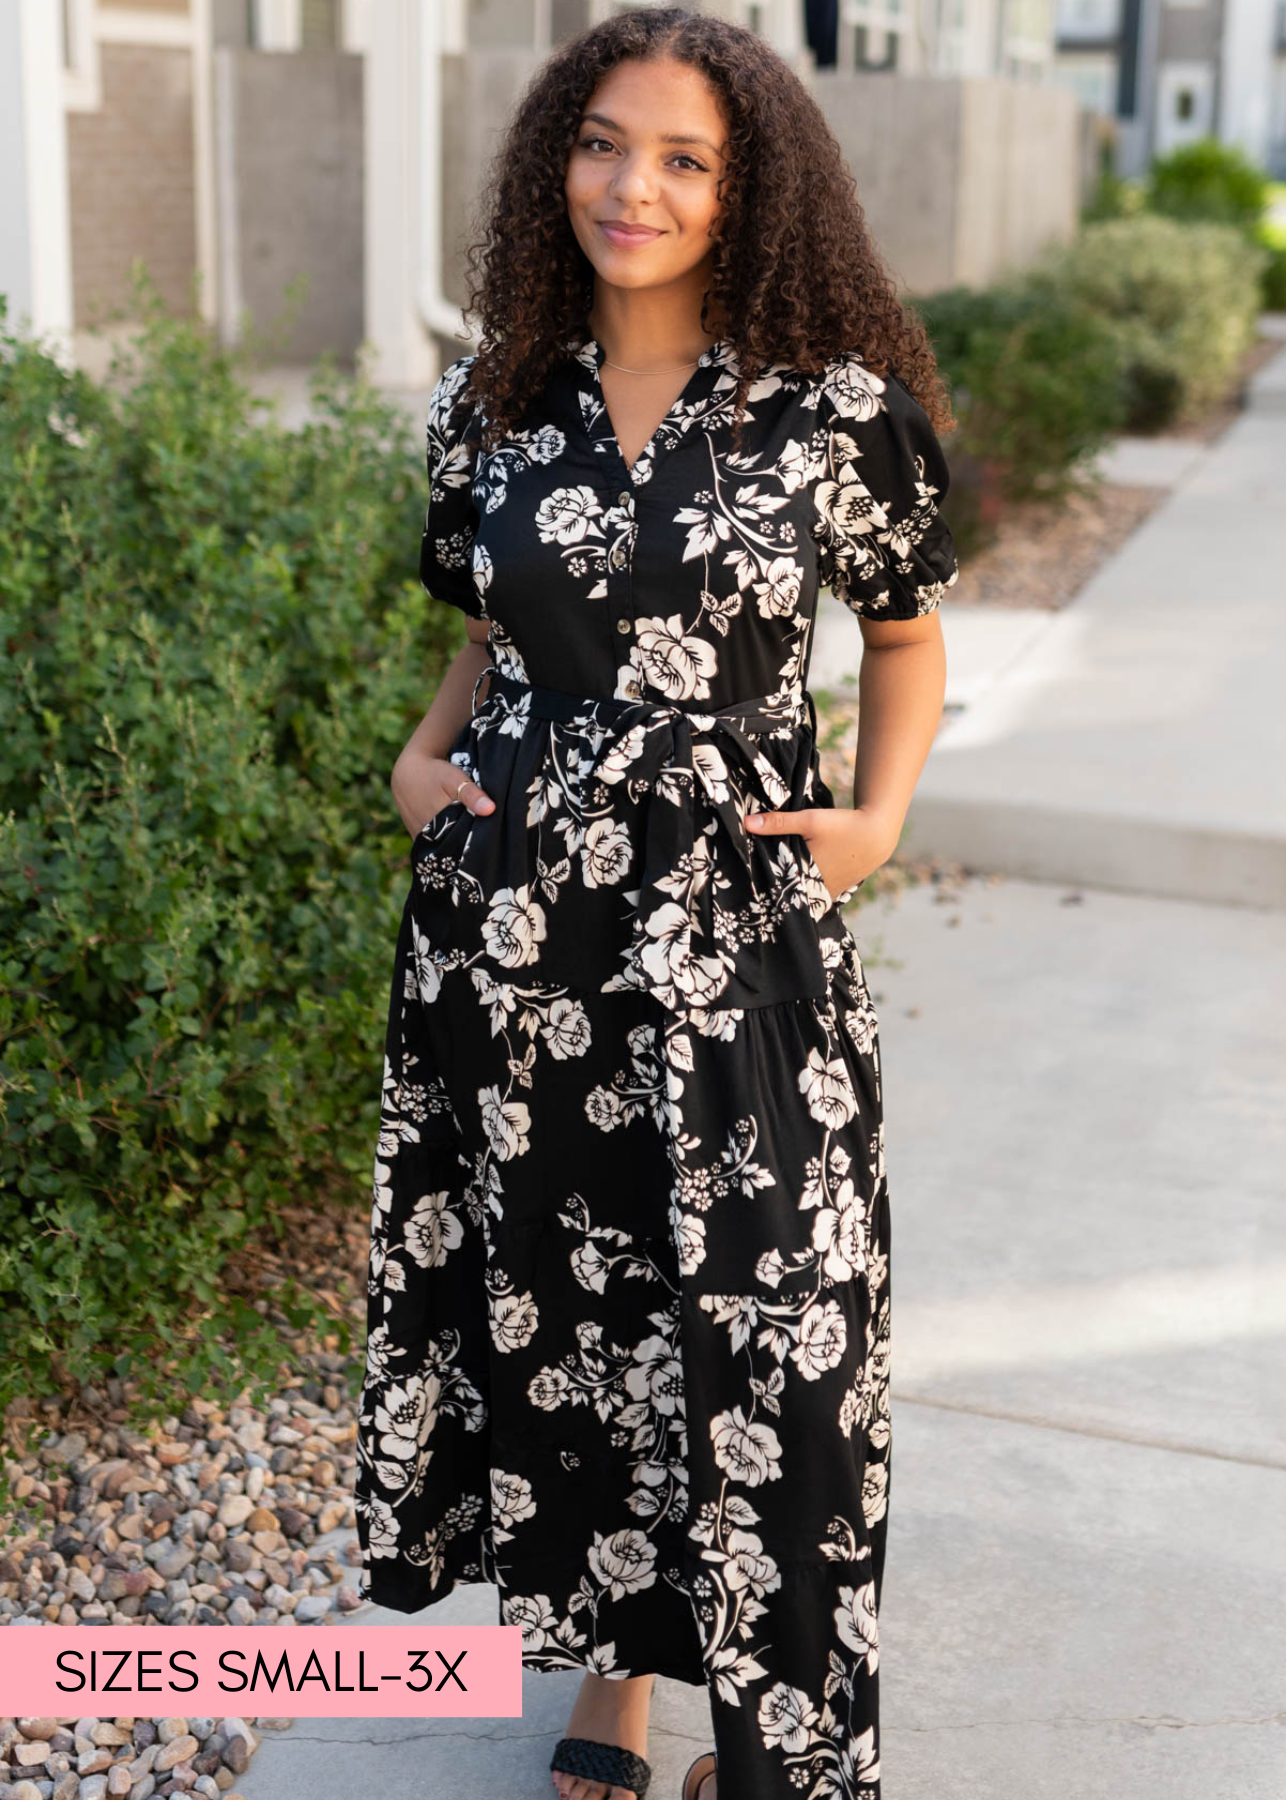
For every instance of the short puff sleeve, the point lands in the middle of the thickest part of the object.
(451, 519)
(885, 549)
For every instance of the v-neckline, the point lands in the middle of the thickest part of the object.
(592, 355)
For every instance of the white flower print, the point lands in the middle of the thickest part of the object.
(676, 662)
(533, 1614)
(690, 1234)
(428, 976)
(656, 1377)
(839, 1234)
(856, 1623)
(826, 1086)
(855, 389)
(777, 595)
(482, 570)
(590, 1267)
(507, 1123)
(850, 509)
(607, 854)
(381, 1526)
(547, 444)
(566, 1029)
(569, 516)
(623, 1563)
(513, 927)
(547, 1389)
(747, 1567)
(603, 1109)
(745, 1449)
(406, 1415)
(874, 1491)
(514, 1319)
(786, 1718)
(823, 1337)
(795, 465)
(511, 1499)
(432, 1231)
(860, 1023)
(382, 1194)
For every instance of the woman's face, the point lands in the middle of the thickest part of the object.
(648, 154)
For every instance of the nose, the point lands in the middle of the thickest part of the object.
(632, 182)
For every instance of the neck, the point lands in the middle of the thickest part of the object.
(651, 327)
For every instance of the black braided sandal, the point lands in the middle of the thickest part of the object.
(602, 1762)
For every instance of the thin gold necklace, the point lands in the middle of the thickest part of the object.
(670, 371)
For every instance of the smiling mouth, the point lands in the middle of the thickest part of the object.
(617, 233)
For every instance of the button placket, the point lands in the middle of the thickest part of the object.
(618, 583)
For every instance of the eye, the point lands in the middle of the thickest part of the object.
(588, 143)
(684, 157)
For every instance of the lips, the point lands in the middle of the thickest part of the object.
(627, 235)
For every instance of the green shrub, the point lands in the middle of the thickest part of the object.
(1274, 278)
(1271, 237)
(216, 644)
(1035, 383)
(1180, 300)
(1208, 181)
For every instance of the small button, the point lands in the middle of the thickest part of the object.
(626, 498)
(633, 689)
(622, 625)
(618, 558)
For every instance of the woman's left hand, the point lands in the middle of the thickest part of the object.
(846, 843)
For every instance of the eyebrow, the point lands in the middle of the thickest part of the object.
(670, 137)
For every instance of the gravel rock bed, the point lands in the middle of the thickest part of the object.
(240, 1515)
(214, 1517)
(1044, 554)
(126, 1759)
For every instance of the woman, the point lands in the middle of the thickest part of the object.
(629, 1300)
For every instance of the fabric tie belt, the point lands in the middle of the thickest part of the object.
(722, 918)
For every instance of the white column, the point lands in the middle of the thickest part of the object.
(35, 229)
(278, 25)
(203, 158)
(1246, 77)
(403, 194)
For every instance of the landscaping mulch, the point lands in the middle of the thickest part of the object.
(1045, 552)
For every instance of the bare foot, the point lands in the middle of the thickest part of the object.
(608, 1712)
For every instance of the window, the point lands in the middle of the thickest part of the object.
(319, 25)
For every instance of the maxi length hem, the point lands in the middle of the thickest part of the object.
(629, 1284)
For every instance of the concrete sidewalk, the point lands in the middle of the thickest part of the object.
(1086, 1132)
(1139, 743)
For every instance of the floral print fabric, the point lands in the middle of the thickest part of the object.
(629, 1290)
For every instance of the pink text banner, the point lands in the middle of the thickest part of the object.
(359, 1672)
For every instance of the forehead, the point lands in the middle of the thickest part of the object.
(659, 99)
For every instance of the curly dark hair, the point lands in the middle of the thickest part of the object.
(796, 275)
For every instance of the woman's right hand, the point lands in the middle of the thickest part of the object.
(423, 785)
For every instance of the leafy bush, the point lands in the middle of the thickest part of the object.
(217, 643)
(1208, 181)
(1274, 278)
(1271, 237)
(1035, 383)
(1180, 300)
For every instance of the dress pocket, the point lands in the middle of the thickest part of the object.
(436, 827)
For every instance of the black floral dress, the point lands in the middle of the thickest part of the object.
(629, 1285)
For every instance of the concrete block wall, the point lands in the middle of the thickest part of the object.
(131, 178)
(290, 161)
(479, 91)
(962, 178)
